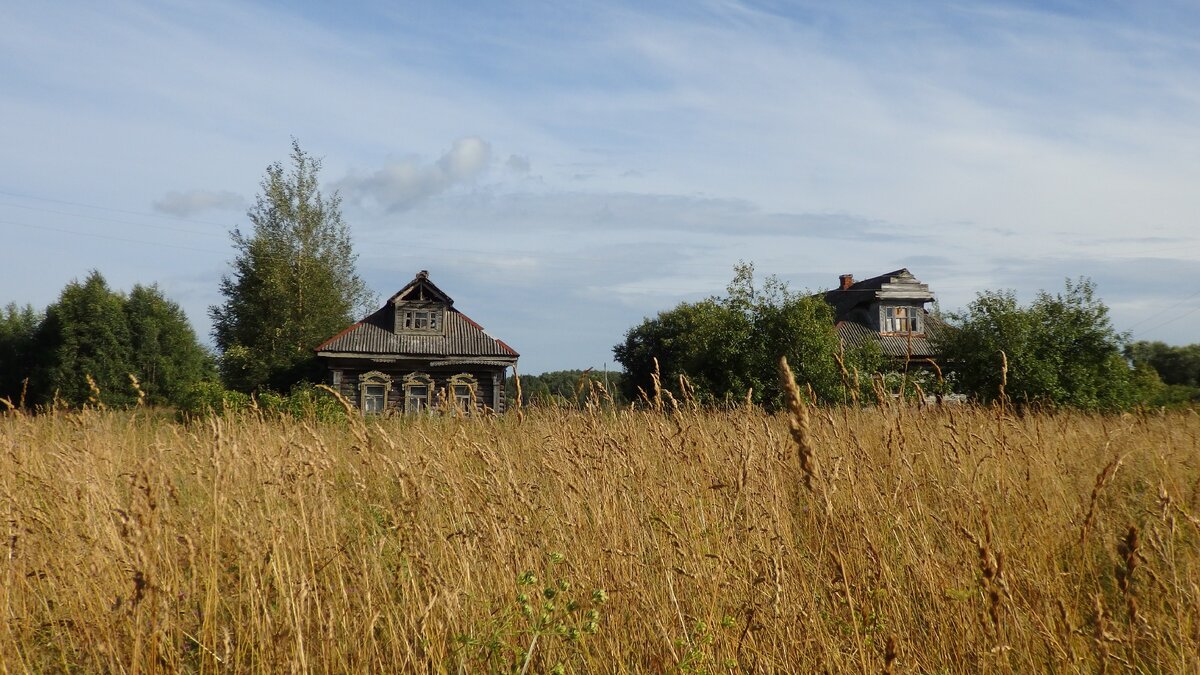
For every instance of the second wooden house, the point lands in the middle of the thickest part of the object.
(888, 310)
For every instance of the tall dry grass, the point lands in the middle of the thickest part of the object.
(942, 540)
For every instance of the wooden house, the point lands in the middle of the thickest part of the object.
(415, 352)
(888, 310)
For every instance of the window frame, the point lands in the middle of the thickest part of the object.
(428, 320)
(465, 403)
(371, 379)
(901, 320)
(416, 380)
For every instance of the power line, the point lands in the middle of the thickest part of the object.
(207, 233)
(1164, 310)
(106, 208)
(1171, 320)
(106, 236)
(408, 252)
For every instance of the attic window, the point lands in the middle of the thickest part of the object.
(422, 319)
(902, 319)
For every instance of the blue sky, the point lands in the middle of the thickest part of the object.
(565, 170)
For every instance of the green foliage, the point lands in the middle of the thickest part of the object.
(85, 333)
(305, 401)
(94, 331)
(567, 387)
(293, 282)
(547, 608)
(729, 347)
(1172, 376)
(1062, 350)
(206, 398)
(1174, 365)
(18, 341)
(164, 350)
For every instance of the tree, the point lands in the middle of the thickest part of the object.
(164, 351)
(293, 282)
(85, 334)
(1175, 365)
(567, 387)
(729, 347)
(1175, 371)
(18, 337)
(1061, 350)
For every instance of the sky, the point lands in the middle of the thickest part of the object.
(564, 170)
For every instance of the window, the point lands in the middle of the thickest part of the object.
(374, 398)
(417, 390)
(464, 387)
(422, 319)
(417, 399)
(902, 319)
(373, 389)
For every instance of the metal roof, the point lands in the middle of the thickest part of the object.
(896, 345)
(461, 337)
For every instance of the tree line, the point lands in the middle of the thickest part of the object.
(293, 283)
(574, 388)
(102, 346)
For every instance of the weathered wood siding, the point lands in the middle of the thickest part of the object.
(489, 391)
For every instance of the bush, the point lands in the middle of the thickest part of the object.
(305, 401)
(1060, 351)
(206, 398)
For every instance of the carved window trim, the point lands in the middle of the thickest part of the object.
(374, 389)
(414, 401)
(466, 401)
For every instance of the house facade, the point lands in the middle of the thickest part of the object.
(418, 353)
(888, 310)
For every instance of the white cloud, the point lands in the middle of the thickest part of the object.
(401, 185)
(193, 202)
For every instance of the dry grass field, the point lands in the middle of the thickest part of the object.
(890, 540)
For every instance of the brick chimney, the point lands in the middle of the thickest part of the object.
(847, 281)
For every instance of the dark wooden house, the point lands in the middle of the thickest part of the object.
(415, 353)
(888, 310)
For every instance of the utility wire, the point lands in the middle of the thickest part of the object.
(407, 253)
(206, 233)
(106, 208)
(1164, 310)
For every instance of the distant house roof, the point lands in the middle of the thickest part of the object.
(897, 285)
(460, 337)
(896, 345)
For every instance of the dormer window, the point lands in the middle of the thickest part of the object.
(901, 319)
(422, 320)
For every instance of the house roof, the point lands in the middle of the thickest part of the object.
(897, 285)
(895, 345)
(460, 337)
(425, 290)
